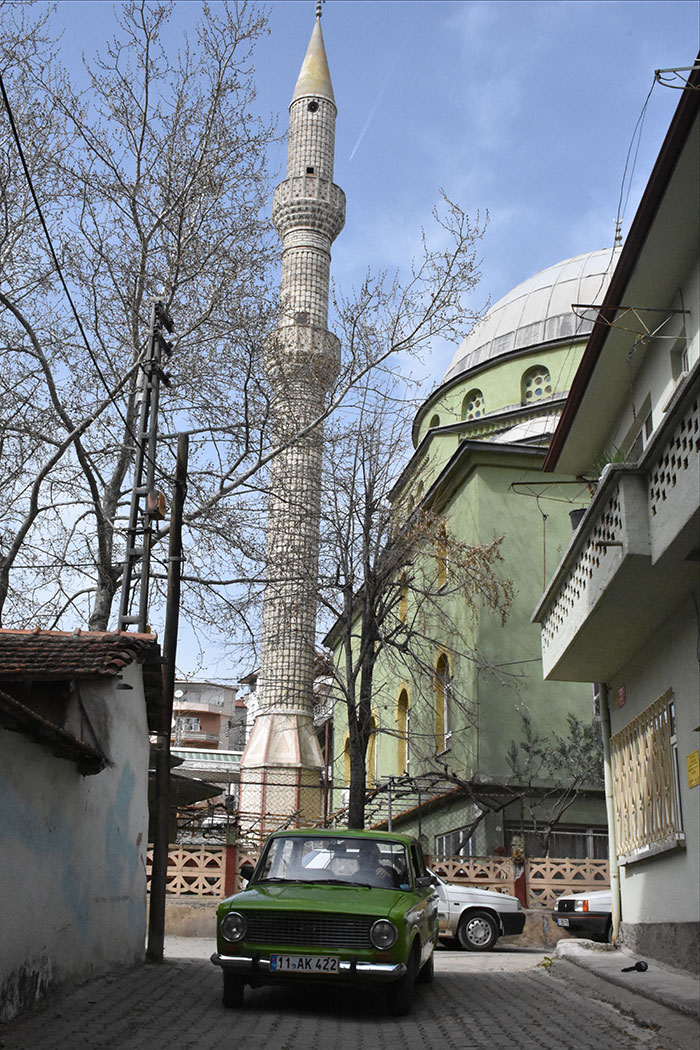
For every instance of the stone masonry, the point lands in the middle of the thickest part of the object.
(282, 764)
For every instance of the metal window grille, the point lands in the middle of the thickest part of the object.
(645, 778)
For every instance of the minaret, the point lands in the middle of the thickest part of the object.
(282, 765)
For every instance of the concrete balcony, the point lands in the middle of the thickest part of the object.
(632, 560)
(197, 736)
(673, 481)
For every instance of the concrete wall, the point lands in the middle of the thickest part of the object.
(661, 893)
(72, 852)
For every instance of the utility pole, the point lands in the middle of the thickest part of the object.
(159, 866)
(147, 504)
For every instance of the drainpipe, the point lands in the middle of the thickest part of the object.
(600, 693)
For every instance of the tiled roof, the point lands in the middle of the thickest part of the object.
(42, 655)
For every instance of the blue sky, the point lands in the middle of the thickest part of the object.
(524, 109)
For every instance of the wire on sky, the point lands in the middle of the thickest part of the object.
(57, 265)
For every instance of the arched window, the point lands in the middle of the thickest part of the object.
(443, 564)
(536, 384)
(434, 421)
(443, 703)
(402, 730)
(473, 406)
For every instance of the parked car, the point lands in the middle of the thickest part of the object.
(586, 914)
(335, 907)
(477, 918)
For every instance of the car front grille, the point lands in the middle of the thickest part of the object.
(300, 929)
(565, 906)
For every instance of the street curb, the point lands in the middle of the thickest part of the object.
(674, 989)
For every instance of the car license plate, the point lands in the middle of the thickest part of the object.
(304, 964)
(562, 922)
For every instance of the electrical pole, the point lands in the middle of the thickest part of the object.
(159, 866)
(147, 504)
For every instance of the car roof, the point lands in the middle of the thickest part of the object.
(347, 833)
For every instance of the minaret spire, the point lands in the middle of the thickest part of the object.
(281, 766)
(315, 78)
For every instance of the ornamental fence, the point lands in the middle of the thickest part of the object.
(214, 871)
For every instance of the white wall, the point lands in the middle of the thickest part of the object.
(666, 888)
(72, 852)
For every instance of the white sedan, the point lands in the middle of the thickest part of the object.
(586, 914)
(477, 918)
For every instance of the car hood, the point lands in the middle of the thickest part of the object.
(314, 897)
(469, 895)
(599, 897)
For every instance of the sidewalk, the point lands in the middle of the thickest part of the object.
(674, 989)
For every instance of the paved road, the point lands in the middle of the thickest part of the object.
(492, 1001)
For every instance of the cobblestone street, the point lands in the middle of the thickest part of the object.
(484, 1001)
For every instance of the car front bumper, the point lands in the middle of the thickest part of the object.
(512, 922)
(256, 968)
(592, 925)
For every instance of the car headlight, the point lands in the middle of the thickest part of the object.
(233, 927)
(581, 905)
(383, 934)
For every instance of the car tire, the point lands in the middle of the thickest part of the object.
(427, 971)
(401, 991)
(477, 931)
(233, 991)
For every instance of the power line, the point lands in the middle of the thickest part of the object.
(57, 265)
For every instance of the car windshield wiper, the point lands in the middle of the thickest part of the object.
(328, 882)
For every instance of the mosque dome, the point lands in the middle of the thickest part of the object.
(537, 311)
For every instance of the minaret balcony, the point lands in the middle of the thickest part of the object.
(308, 202)
(302, 351)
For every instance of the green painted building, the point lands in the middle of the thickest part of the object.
(445, 717)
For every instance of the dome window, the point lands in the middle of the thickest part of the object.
(536, 384)
(473, 406)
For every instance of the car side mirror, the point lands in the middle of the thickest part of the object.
(247, 870)
(423, 882)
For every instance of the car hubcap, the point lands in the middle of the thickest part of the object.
(478, 931)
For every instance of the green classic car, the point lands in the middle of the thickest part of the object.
(332, 906)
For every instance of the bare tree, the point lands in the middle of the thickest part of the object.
(388, 587)
(553, 770)
(151, 183)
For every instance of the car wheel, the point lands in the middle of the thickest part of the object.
(233, 991)
(427, 971)
(401, 991)
(608, 935)
(477, 931)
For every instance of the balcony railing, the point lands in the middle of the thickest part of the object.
(633, 541)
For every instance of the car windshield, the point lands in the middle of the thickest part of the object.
(351, 861)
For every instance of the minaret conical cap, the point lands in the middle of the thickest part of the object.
(315, 79)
